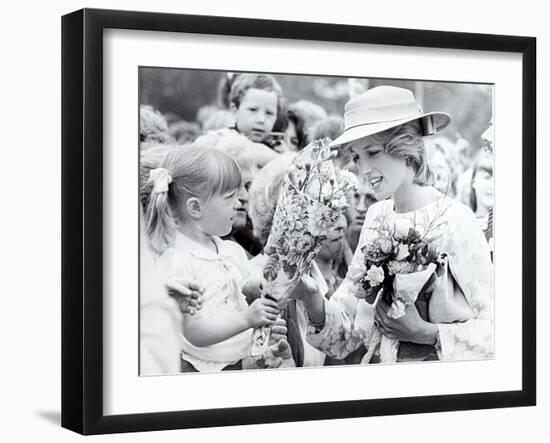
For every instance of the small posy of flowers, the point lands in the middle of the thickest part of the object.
(402, 263)
(391, 252)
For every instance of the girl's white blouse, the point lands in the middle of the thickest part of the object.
(222, 276)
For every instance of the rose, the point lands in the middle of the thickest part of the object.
(375, 275)
(385, 245)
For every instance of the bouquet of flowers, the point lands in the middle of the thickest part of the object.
(312, 197)
(402, 268)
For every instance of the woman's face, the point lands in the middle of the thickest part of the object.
(334, 244)
(291, 137)
(483, 183)
(385, 174)
(240, 219)
(363, 197)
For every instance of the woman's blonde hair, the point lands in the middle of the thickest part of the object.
(188, 171)
(405, 142)
(232, 143)
(264, 194)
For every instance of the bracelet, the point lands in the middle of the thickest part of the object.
(317, 327)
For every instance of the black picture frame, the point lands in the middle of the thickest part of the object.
(82, 218)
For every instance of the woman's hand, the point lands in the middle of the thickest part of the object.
(187, 293)
(261, 312)
(308, 292)
(411, 327)
(306, 289)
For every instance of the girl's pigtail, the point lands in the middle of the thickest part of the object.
(160, 225)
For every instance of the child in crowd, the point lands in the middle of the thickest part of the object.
(481, 194)
(193, 198)
(255, 100)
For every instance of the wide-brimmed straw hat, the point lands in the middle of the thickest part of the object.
(385, 107)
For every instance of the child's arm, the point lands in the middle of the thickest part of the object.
(203, 332)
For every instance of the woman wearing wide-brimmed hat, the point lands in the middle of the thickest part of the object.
(384, 131)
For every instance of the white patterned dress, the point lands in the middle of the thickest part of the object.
(461, 306)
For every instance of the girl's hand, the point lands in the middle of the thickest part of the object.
(187, 293)
(411, 327)
(252, 289)
(261, 312)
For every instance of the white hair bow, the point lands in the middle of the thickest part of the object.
(161, 179)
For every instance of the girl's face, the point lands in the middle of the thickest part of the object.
(483, 183)
(385, 174)
(218, 213)
(256, 114)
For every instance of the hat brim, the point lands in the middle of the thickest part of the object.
(441, 121)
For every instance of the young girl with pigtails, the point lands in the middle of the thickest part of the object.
(192, 200)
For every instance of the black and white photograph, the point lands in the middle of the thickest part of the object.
(292, 221)
(277, 222)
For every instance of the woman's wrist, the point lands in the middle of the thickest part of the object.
(315, 308)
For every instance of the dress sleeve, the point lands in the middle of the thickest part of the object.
(348, 319)
(472, 270)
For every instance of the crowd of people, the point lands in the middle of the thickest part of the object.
(208, 193)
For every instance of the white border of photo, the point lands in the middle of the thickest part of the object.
(125, 392)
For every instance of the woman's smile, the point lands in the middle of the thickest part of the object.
(375, 181)
(386, 174)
